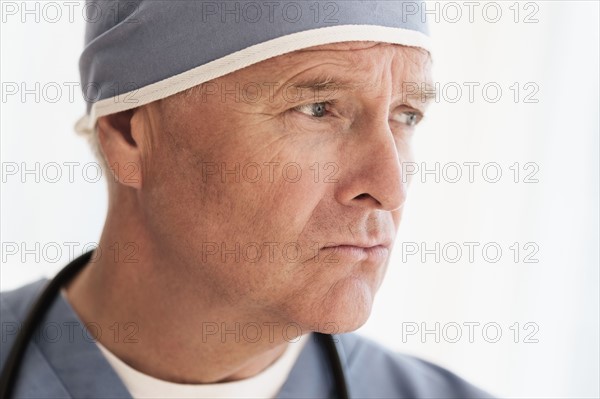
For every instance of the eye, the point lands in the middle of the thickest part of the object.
(315, 110)
(409, 118)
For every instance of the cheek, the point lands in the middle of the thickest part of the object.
(223, 195)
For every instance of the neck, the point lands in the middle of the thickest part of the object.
(156, 324)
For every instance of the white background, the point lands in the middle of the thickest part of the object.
(558, 294)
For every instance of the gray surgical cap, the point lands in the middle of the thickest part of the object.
(141, 51)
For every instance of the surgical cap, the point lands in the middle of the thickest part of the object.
(137, 52)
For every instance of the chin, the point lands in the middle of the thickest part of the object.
(345, 308)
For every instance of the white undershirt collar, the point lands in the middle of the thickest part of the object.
(265, 384)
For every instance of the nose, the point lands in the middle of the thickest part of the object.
(372, 174)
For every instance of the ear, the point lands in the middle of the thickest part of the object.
(121, 151)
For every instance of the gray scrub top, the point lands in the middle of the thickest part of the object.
(70, 365)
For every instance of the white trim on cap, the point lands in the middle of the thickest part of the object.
(246, 57)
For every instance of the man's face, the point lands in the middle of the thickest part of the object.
(242, 196)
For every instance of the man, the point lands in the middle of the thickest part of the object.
(255, 190)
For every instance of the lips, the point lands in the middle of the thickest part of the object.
(359, 251)
(358, 245)
(385, 243)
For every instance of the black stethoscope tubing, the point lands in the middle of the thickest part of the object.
(52, 289)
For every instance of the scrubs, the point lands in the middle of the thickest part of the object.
(63, 361)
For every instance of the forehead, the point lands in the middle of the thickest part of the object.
(356, 48)
(360, 61)
(347, 55)
(345, 46)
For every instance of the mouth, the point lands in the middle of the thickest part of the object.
(359, 252)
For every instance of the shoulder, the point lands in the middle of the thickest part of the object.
(14, 305)
(18, 301)
(380, 372)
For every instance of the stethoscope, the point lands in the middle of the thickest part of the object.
(52, 289)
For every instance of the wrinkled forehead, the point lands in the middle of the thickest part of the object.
(137, 52)
(355, 50)
(372, 70)
(357, 60)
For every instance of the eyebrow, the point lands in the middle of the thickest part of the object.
(421, 92)
(327, 83)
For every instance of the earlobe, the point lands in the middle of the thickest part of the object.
(121, 151)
